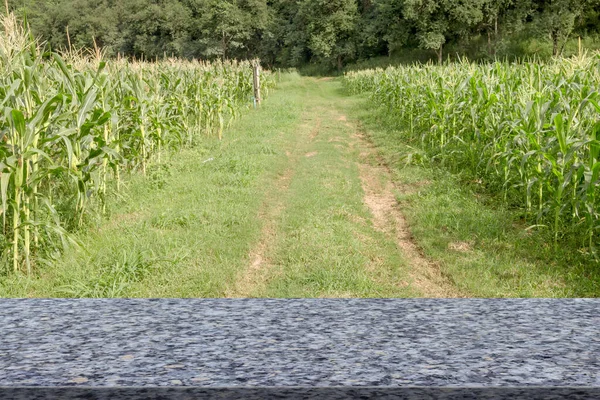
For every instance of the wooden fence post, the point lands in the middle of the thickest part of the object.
(256, 82)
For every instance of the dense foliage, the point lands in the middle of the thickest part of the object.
(529, 131)
(72, 124)
(333, 32)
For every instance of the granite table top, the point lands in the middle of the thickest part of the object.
(337, 346)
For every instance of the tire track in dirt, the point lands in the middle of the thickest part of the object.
(380, 199)
(315, 131)
(254, 276)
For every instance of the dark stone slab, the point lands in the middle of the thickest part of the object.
(330, 393)
(256, 348)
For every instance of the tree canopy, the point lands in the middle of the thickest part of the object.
(296, 32)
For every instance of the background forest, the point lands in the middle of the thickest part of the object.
(329, 33)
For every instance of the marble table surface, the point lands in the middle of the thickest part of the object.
(299, 343)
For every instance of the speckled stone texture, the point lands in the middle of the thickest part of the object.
(325, 348)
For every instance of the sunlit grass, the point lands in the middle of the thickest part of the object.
(74, 123)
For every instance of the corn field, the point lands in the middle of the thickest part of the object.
(72, 124)
(528, 131)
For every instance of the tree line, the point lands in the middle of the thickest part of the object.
(333, 33)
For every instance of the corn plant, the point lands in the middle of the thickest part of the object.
(74, 122)
(529, 130)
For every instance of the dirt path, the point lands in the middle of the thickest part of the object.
(327, 141)
(253, 278)
(380, 198)
(294, 202)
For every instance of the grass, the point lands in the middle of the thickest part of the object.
(325, 245)
(509, 126)
(190, 227)
(75, 123)
(193, 229)
(499, 256)
(277, 209)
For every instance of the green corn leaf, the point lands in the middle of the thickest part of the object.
(4, 182)
(63, 67)
(18, 121)
(86, 106)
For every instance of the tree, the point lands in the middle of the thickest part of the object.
(87, 21)
(438, 20)
(329, 27)
(224, 28)
(558, 19)
(388, 24)
(296, 32)
(153, 28)
(270, 44)
(492, 11)
(503, 15)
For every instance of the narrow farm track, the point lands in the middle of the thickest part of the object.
(292, 203)
(388, 217)
(259, 260)
(267, 273)
(252, 277)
